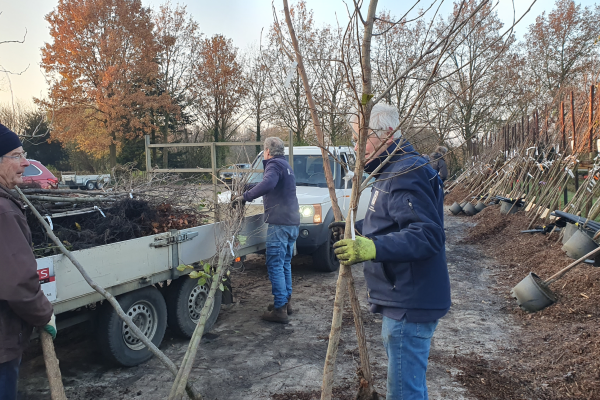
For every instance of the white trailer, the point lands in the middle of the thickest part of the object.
(142, 274)
(89, 182)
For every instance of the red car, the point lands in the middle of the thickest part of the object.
(36, 175)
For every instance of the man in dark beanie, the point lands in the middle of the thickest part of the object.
(23, 305)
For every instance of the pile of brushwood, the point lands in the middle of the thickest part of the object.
(131, 208)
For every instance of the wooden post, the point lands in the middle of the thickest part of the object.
(537, 127)
(523, 129)
(546, 125)
(505, 134)
(528, 128)
(562, 126)
(148, 155)
(213, 162)
(573, 120)
(591, 121)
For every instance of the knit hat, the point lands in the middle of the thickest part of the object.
(8, 141)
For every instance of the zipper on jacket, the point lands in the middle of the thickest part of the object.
(413, 210)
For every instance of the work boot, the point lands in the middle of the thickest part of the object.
(290, 311)
(276, 315)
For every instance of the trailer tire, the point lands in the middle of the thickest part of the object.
(185, 299)
(90, 185)
(99, 185)
(324, 259)
(149, 312)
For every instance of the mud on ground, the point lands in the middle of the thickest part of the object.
(556, 354)
(245, 358)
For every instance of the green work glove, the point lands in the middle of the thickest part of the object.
(350, 251)
(51, 327)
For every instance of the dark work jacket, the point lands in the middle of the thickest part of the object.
(405, 220)
(23, 305)
(439, 164)
(278, 190)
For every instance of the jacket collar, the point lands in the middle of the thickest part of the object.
(8, 194)
(265, 162)
(405, 148)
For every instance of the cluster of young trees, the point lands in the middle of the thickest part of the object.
(120, 70)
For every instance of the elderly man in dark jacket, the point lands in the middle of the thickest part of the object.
(282, 213)
(403, 250)
(22, 302)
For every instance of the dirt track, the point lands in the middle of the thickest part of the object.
(245, 358)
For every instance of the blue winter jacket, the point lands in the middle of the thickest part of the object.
(405, 220)
(278, 190)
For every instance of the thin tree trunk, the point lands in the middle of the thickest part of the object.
(178, 388)
(315, 117)
(109, 297)
(345, 274)
(112, 148)
(57, 391)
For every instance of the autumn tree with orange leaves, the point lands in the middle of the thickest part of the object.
(103, 69)
(221, 87)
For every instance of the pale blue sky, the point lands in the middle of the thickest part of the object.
(240, 20)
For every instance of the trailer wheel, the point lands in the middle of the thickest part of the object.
(99, 185)
(185, 299)
(148, 310)
(324, 258)
(90, 185)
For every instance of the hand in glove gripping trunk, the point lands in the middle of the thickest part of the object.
(351, 252)
(51, 327)
(238, 201)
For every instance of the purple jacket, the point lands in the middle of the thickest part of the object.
(278, 190)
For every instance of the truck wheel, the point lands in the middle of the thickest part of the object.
(324, 258)
(90, 185)
(148, 310)
(99, 185)
(185, 299)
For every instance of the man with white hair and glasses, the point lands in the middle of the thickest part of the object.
(402, 246)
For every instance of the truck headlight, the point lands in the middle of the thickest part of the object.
(311, 213)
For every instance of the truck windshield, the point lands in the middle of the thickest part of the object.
(308, 170)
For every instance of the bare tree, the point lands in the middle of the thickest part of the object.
(179, 39)
(561, 48)
(259, 100)
(478, 62)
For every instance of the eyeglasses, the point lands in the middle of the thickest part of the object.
(373, 132)
(18, 156)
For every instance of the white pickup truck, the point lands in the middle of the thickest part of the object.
(315, 204)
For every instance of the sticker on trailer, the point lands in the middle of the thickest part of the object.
(45, 270)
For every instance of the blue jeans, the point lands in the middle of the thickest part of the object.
(280, 248)
(407, 346)
(9, 375)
